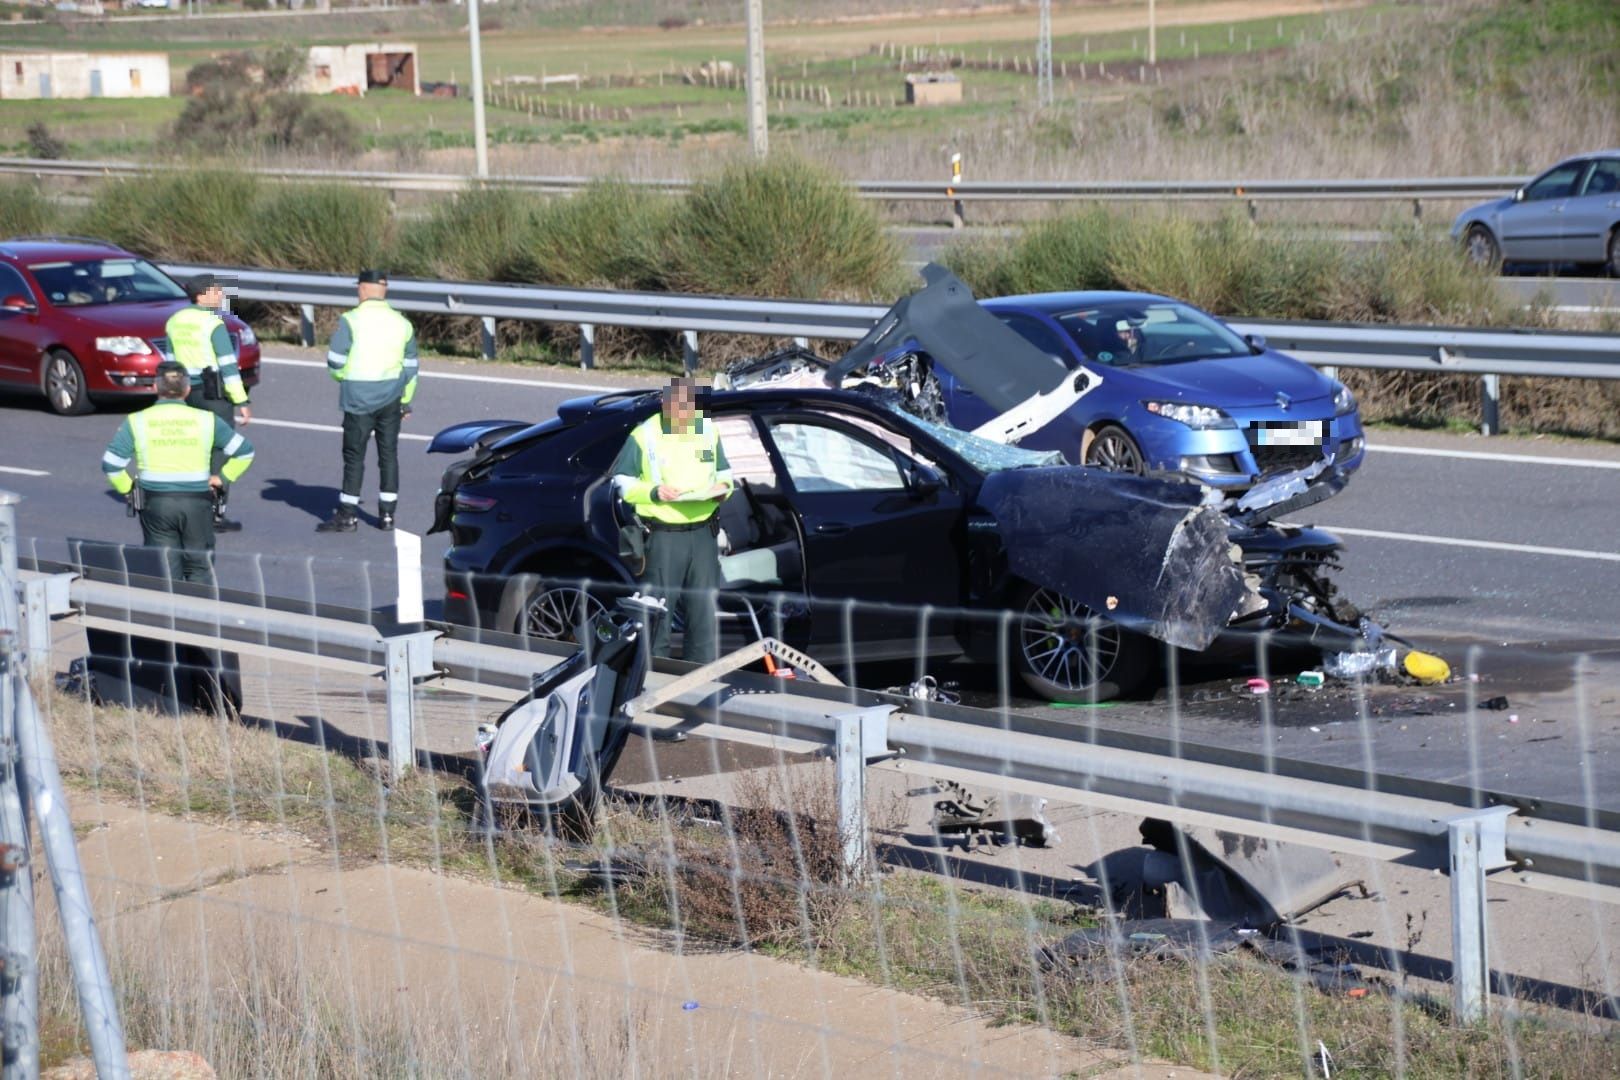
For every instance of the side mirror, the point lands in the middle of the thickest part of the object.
(922, 480)
(1518, 195)
(1256, 342)
(17, 302)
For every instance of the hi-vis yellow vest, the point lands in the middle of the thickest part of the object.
(685, 461)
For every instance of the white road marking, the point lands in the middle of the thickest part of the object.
(1487, 455)
(19, 471)
(1486, 545)
(259, 421)
(457, 376)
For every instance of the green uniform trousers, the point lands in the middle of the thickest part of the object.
(223, 409)
(683, 569)
(183, 522)
(357, 431)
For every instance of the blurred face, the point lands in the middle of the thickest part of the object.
(372, 290)
(680, 406)
(212, 299)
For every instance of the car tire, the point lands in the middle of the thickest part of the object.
(63, 384)
(1113, 449)
(1613, 265)
(555, 610)
(1480, 245)
(1065, 654)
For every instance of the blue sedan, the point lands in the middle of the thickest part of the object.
(1175, 391)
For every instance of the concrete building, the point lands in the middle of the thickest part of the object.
(35, 75)
(933, 88)
(354, 69)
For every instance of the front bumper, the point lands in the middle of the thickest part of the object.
(1235, 458)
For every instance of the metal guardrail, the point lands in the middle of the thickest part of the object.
(1425, 825)
(1413, 189)
(1488, 354)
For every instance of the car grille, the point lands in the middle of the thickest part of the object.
(1272, 459)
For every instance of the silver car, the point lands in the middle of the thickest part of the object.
(1568, 214)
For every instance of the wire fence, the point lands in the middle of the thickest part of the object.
(276, 899)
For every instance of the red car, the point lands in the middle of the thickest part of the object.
(82, 320)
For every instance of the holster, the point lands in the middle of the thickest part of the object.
(136, 500)
(211, 387)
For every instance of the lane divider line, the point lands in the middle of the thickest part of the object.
(458, 376)
(299, 425)
(1484, 545)
(18, 470)
(1489, 455)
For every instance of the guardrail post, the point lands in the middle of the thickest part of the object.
(1478, 844)
(19, 977)
(43, 597)
(1490, 402)
(587, 346)
(306, 325)
(860, 737)
(1417, 211)
(410, 659)
(8, 535)
(1330, 371)
(486, 337)
(689, 351)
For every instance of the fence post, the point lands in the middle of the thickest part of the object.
(587, 346)
(1478, 844)
(19, 977)
(486, 336)
(861, 738)
(42, 598)
(410, 658)
(689, 351)
(8, 536)
(1490, 401)
(306, 325)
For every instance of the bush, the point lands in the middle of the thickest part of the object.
(25, 211)
(194, 215)
(781, 227)
(320, 227)
(43, 143)
(474, 236)
(609, 235)
(245, 99)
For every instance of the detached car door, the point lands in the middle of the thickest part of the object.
(1533, 229)
(880, 528)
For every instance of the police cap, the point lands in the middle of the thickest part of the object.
(372, 276)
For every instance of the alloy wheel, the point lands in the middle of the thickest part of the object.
(63, 385)
(1113, 450)
(1063, 644)
(558, 614)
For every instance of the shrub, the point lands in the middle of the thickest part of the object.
(25, 211)
(245, 99)
(191, 215)
(43, 143)
(320, 227)
(781, 227)
(609, 235)
(475, 236)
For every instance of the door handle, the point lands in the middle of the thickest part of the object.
(831, 528)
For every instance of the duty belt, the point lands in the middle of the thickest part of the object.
(661, 526)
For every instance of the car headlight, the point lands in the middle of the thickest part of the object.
(1201, 417)
(1344, 402)
(123, 346)
(248, 336)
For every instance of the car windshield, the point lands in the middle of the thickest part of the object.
(89, 282)
(1130, 332)
(982, 454)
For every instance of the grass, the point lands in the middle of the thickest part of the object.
(906, 930)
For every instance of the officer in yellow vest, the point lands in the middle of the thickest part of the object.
(200, 343)
(673, 470)
(373, 357)
(172, 446)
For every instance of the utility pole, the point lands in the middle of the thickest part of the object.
(480, 135)
(758, 137)
(1043, 57)
(1153, 34)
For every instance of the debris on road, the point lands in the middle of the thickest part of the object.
(1021, 819)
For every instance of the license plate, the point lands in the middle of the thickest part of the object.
(1303, 433)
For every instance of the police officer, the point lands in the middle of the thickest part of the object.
(200, 343)
(373, 356)
(172, 446)
(673, 470)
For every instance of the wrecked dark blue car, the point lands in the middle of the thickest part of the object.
(852, 514)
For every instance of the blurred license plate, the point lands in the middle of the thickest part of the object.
(1305, 433)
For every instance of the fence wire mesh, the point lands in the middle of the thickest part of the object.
(277, 899)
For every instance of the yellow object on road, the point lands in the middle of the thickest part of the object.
(1426, 667)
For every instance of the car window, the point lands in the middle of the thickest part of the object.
(820, 458)
(1038, 334)
(1604, 178)
(90, 282)
(745, 450)
(12, 284)
(1129, 332)
(1559, 183)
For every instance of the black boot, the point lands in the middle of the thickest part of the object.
(385, 516)
(225, 524)
(345, 520)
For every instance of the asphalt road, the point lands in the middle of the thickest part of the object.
(1502, 553)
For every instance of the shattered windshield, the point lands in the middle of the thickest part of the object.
(1127, 332)
(982, 454)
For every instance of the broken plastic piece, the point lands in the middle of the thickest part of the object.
(1426, 668)
(1259, 686)
(1310, 679)
(1355, 665)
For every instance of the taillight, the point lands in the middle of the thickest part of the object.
(473, 504)
(456, 594)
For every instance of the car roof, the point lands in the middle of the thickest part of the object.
(52, 248)
(1052, 302)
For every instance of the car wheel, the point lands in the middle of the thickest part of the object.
(557, 611)
(1613, 265)
(64, 384)
(1112, 448)
(1481, 247)
(1066, 654)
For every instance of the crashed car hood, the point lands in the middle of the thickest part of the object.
(1145, 553)
(943, 320)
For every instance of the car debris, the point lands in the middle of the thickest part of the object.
(1013, 818)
